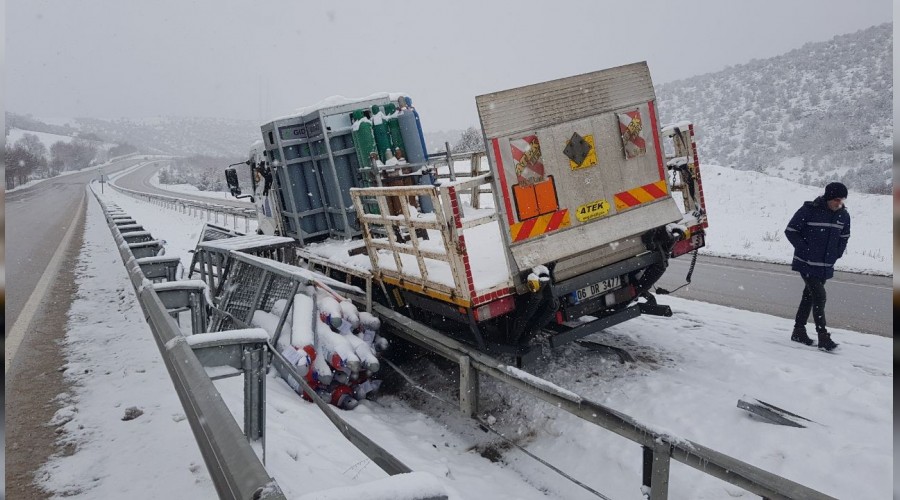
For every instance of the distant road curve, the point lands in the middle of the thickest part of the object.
(139, 180)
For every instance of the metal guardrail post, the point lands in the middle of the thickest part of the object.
(468, 387)
(656, 470)
(255, 367)
(198, 314)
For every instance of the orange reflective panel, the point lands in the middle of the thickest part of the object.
(545, 192)
(526, 201)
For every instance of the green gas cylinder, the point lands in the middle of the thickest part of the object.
(382, 137)
(390, 115)
(364, 141)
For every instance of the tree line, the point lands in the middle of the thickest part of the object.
(206, 173)
(29, 159)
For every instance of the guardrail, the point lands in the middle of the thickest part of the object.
(658, 449)
(262, 283)
(209, 211)
(234, 467)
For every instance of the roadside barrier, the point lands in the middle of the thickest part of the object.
(658, 449)
(234, 467)
(210, 212)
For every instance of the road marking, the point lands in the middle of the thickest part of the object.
(17, 332)
(775, 273)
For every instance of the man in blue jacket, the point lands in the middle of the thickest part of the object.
(819, 232)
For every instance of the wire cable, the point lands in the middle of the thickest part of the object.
(663, 291)
(486, 426)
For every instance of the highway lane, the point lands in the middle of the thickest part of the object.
(44, 226)
(36, 220)
(856, 302)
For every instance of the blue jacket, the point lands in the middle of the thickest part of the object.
(819, 237)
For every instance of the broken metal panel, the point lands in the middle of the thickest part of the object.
(772, 414)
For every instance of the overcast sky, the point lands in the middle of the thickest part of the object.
(257, 61)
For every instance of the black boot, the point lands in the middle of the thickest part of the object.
(799, 335)
(825, 342)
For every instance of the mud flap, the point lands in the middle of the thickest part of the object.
(652, 308)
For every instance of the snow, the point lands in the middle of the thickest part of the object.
(191, 189)
(690, 370)
(339, 100)
(749, 211)
(247, 242)
(228, 337)
(46, 139)
(409, 486)
(539, 382)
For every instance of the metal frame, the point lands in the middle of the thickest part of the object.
(337, 207)
(283, 281)
(447, 221)
(212, 256)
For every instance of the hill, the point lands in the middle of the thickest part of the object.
(180, 136)
(815, 114)
(818, 113)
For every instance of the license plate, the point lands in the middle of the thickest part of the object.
(596, 289)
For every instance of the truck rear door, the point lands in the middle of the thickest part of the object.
(577, 164)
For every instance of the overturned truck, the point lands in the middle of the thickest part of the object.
(563, 234)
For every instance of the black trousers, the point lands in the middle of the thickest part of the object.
(813, 300)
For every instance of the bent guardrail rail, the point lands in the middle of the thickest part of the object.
(263, 282)
(658, 448)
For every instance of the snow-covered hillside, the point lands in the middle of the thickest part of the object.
(748, 212)
(814, 114)
(185, 136)
(46, 139)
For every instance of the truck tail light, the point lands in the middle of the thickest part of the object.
(495, 308)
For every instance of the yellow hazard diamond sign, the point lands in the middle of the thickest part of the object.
(580, 151)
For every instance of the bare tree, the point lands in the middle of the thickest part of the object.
(470, 140)
(20, 165)
(37, 153)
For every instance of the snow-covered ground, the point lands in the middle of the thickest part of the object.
(190, 189)
(49, 139)
(690, 371)
(46, 138)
